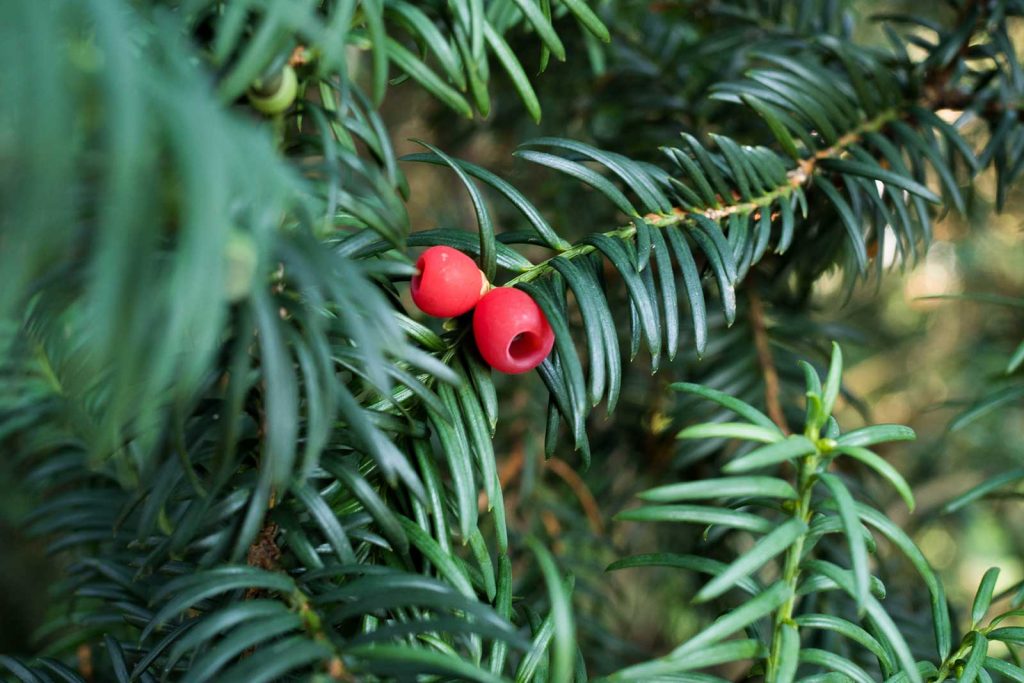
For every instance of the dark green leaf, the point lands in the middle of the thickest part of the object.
(248, 635)
(478, 430)
(638, 293)
(829, 622)
(415, 19)
(1008, 634)
(488, 256)
(514, 69)
(403, 660)
(272, 662)
(849, 220)
(446, 566)
(709, 167)
(720, 262)
(189, 590)
(774, 124)
(741, 408)
(588, 19)
(730, 622)
(564, 627)
(455, 450)
(542, 25)
(694, 289)
(116, 656)
(629, 172)
(852, 529)
(779, 450)
(422, 74)
(587, 294)
(756, 557)
(983, 598)
(883, 468)
(869, 436)
(523, 205)
(788, 655)
(698, 514)
(20, 670)
(222, 621)
(693, 563)
(1011, 671)
(836, 663)
(581, 173)
(833, 382)
(389, 523)
(732, 430)
(940, 609)
(726, 487)
(987, 405)
(729, 651)
(567, 356)
(327, 520)
(503, 606)
(876, 172)
(976, 660)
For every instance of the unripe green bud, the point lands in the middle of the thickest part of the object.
(278, 97)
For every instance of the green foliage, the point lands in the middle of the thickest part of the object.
(811, 594)
(251, 462)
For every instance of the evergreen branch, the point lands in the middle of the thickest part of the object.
(969, 657)
(806, 478)
(208, 401)
(805, 518)
(798, 177)
(760, 189)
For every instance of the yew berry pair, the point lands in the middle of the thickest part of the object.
(510, 329)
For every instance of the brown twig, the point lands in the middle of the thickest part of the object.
(764, 359)
(510, 468)
(84, 658)
(939, 95)
(299, 56)
(958, 100)
(579, 487)
(264, 552)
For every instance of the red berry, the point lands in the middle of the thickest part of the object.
(511, 331)
(448, 283)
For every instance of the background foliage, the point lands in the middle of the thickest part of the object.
(235, 453)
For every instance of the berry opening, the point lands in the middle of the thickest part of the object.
(524, 346)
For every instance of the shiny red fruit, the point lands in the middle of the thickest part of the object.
(448, 283)
(511, 331)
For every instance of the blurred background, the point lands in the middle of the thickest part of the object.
(912, 358)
